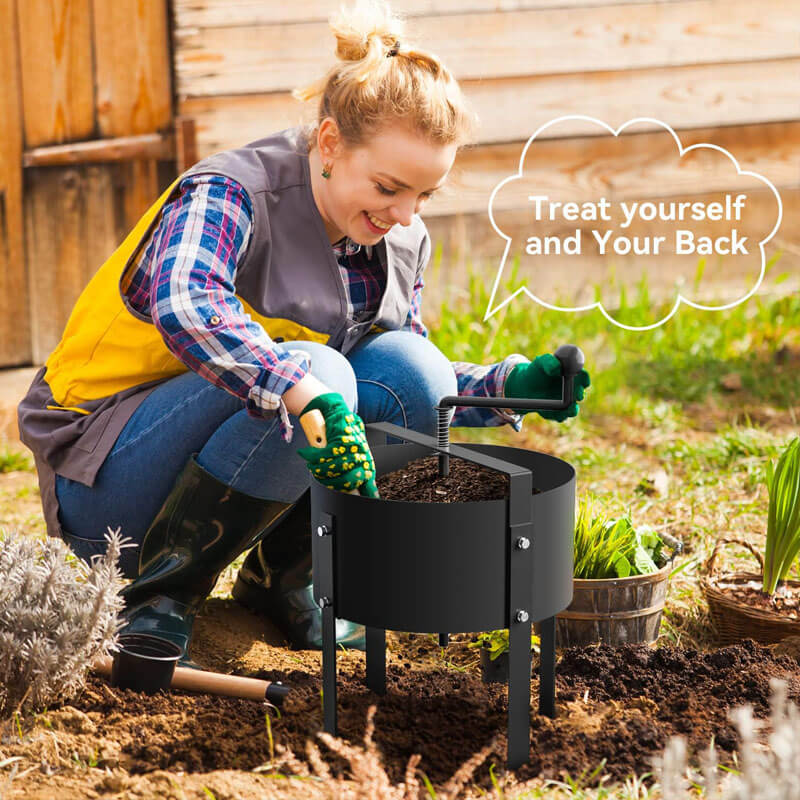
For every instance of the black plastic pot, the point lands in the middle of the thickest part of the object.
(144, 663)
(494, 670)
(449, 567)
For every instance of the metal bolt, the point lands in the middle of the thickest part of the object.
(523, 543)
(322, 530)
(324, 602)
(521, 616)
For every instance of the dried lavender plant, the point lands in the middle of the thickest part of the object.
(56, 615)
(767, 772)
(369, 780)
(671, 768)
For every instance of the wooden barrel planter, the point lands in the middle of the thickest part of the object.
(614, 610)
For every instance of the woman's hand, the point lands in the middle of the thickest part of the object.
(345, 463)
(302, 393)
(541, 378)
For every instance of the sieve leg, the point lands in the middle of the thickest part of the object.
(329, 670)
(547, 667)
(376, 659)
(519, 693)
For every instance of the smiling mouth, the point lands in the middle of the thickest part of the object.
(377, 223)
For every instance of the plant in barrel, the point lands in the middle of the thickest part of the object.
(614, 548)
(620, 580)
(783, 516)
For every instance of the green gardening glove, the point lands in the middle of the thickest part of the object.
(541, 378)
(345, 463)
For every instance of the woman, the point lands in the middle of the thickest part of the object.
(267, 281)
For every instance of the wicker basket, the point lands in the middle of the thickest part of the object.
(734, 620)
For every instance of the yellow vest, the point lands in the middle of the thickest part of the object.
(106, 349)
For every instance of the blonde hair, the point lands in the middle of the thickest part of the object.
(381, 78)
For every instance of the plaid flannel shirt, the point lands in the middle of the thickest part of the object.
(184, 280)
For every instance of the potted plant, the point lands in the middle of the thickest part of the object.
(620, 580)
(764, 606)
(494, 654)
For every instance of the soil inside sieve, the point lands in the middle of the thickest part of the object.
(419, 481)
(618, 704)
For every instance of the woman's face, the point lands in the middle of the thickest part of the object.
(378, 185)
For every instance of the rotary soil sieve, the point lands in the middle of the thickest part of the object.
(456, 567)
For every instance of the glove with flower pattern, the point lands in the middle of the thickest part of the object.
(345, 463)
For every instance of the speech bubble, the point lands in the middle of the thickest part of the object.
(656, 212)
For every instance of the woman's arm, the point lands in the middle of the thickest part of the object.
(202, 236)
(474, 380)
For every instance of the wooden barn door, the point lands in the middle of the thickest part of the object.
(89, 144)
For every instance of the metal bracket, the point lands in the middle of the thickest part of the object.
(323, 565)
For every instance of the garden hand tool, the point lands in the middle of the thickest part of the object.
(203, 525)
(198, 680)
(338, 456)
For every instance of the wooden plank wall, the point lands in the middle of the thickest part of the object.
(15, 338)
(724, 71)
(88, 71)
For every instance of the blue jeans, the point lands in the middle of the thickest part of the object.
(396, 376)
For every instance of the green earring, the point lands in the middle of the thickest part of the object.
(326, 170)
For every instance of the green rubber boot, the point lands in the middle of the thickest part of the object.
(203, 525)
(276, 581)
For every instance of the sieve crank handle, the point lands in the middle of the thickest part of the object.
(571, 358)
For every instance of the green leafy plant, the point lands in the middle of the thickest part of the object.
(614, 548)
(783, 516)
(496, 642)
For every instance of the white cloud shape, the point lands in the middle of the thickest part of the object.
(497, 299)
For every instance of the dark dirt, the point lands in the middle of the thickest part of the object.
(786, 601)
(419, 481)
(619, 704)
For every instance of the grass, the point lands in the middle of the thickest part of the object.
(733, 447)
(14, 460)
(682, 361)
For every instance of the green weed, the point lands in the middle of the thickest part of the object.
(14, 461)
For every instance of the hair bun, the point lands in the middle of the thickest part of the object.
(366, 30)
(367, 88)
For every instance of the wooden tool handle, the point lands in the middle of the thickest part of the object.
(198, 680)
(314, 426)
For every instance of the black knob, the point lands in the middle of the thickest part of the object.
(571, 358)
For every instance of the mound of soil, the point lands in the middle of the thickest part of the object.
(620, 704)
